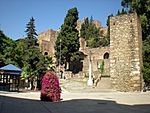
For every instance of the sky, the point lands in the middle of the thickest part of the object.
(50, 14)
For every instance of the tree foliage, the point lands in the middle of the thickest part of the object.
(84, 28)
(92, 35)
(24, 53)
(31, 32)
(142, 7)
(146, 58)
(123, 11)
(34, 63)
(68, 40)
(4, 42)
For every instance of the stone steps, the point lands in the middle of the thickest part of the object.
(104, 83)
(80, 85)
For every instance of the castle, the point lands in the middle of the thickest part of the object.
(122, 59)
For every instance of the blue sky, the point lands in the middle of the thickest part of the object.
(50, 14)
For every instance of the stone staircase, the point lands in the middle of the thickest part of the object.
(80, 85)
(104, 83)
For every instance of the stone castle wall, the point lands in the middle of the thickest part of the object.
(97, 56)
(126, 53)
(47, 42)
(122, 60)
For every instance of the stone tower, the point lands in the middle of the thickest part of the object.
(126, 53)
(46, 42)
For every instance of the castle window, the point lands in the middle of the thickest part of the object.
(114, 23)
(131, 20)
(45, 53)
(106, 55)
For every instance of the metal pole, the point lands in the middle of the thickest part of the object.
(90, 81)
(60, 57)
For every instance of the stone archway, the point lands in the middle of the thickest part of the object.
(45, 53)
(106, 55)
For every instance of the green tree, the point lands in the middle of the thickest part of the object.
(90, 33)
(118, 13)
(32, 61)
(146, 58)
(123, 11)
(102, 67)
(26, 56)
(31, 32)
(3, 39)
(7, 53)
(106, 40)
(21, 51)
(68, 39)
(1, 60)
(142, 7)
(84, 28)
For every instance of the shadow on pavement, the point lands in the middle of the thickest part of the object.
(18, 105)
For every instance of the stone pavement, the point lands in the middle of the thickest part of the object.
(85, 102)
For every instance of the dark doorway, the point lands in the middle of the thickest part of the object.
(106, 55)
(45, 53)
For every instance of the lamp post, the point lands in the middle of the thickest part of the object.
(90, 81)
(60, 57)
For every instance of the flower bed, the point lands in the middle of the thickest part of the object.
(50, 90)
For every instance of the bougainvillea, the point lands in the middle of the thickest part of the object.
(50, 90)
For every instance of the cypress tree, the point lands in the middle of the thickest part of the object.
(67, 43)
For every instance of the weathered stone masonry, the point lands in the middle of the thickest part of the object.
(125, 53)
(46, 42)
(124, 61)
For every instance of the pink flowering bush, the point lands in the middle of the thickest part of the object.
(50, 90)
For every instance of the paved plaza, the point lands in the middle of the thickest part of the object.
(76, 102)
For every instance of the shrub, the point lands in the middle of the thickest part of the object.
(50, 90)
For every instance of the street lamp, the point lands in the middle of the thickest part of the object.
(60, 56)
(90, 81)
